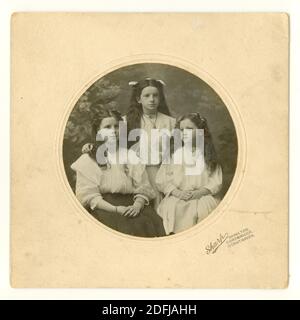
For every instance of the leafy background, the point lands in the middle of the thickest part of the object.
(184, 93)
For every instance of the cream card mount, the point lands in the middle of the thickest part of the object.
(231, 69)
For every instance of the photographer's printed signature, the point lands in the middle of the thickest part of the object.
(213, 246)
(230, 239)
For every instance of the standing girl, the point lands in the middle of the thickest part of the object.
(116, 194)
(189, 198)
(148, 110)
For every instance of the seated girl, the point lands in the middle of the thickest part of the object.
(189, 196)
(116, 194)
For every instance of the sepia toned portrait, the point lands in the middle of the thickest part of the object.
(149, 150)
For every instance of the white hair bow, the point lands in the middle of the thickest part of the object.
(133, 83)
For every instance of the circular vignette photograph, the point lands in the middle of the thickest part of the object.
(150, 150)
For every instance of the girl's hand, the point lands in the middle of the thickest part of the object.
(182, 195)
(197, 194)
(132, 211)
(87, 148)
(121, 210)
(186, 195)
(136, 208)
(139, 203)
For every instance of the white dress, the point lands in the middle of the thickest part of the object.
(179, 215)
(161, 121)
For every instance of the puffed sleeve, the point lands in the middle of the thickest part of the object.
(141, 185)
(215, 181)
(87, 181)
(164, 179)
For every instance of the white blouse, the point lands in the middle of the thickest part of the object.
(92, 181)
(161, 121)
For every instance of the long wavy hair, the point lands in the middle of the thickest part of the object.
(102, 114)
(210, 155)
(135, 111)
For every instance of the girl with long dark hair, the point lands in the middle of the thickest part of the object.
(116, 194)
(148, 110)
(190, 193)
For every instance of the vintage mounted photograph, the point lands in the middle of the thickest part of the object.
(156, 139)
(150, 150)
